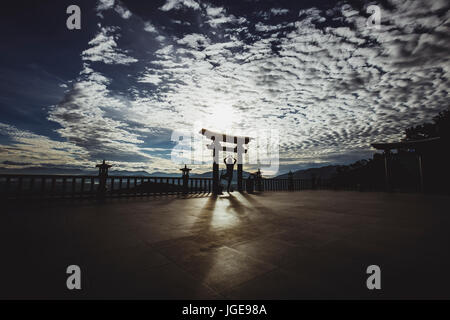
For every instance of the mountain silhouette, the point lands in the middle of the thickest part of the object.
(325, 172)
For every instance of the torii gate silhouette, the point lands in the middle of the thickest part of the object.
(216, 147)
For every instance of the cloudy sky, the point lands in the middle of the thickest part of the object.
(139, 70)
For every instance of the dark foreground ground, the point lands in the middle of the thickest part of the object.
(308, 244)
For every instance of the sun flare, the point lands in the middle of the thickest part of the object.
(221, 117)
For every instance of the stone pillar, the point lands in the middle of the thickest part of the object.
(215, 178)
(239, 177)
(240, 150)
(215, 146)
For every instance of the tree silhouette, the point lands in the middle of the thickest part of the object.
(438, 128)
(369, 173)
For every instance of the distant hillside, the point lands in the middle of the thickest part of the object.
(49, 171)
(126, 173)
(74, 171)
(325, 172)
(164, 174)
(245, 174)
(69, 171)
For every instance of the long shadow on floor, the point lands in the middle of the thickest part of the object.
(235, 205)
(256, 204)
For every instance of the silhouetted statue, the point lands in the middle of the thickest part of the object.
(229, 162)
(103, 168)
(258, 180)
(250, 183)
(102, 175)
(185, 177)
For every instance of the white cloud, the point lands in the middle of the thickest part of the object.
(123, 12)
(215, 11)
(178, 4)
(279, 11)
(150, 78)
(194, 41)
(105, 5)
(217, 16)
(34, 150)
(104, 49)
(150, 27)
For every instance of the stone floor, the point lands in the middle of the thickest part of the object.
(286, 245)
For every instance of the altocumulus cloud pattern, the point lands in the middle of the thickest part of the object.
(312, 70)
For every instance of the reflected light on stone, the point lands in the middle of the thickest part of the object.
(223, 215)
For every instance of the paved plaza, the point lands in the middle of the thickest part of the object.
(275, 245)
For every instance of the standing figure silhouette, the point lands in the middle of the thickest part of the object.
(229, 162)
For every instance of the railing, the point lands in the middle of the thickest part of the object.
(77, 186)
(287, 184)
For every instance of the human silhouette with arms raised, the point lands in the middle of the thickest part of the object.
(229, 162)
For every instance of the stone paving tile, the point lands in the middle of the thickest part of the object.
(162, 282)
(224, 267)
(268, 250)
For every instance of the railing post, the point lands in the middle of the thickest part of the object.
(19, 186)
(31, 185)
(52, 188)
(250, 184)
(92, 184)
(290, 181)
(421, 182)
(64, 187)
(42, 186)
(313, 181)
(83, 182)
(74, 180)
(112, 186)
(7, 185)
